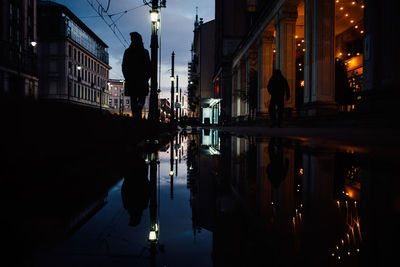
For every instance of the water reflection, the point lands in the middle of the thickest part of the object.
(278, 166)
(215, 199)
(135, 190)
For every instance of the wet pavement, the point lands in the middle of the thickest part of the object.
(231, 197)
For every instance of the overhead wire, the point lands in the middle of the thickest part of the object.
(112, 24)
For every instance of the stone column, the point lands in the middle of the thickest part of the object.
(285, 24)
(265, 69)
(252, 80)
(235, 77)
(241, 82)
(319, 90)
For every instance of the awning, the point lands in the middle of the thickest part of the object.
(209, 102)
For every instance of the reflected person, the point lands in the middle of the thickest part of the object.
(278, 166)
(135, 191)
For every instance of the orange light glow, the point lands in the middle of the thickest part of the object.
(302, 85)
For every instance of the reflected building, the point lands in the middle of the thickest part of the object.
(73, 59)
(300, 202)
(203, 169)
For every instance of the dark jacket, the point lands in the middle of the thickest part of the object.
(136, 68)
(278, 87)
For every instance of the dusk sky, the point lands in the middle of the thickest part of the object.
(176, 31)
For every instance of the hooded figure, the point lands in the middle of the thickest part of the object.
(278, 87)
(136, 67)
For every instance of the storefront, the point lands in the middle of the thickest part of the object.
(210, 110)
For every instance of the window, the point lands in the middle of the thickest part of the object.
(52, 66)
(69, 51)
(79, 56)
(70, 68)
(11, 11)
(52, 87)
(53, 48)
(75, 92)
(74, 54)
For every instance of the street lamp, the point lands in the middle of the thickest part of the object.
(152, 236)
(153, 103)
(154, 16)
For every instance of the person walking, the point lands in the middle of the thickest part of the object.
(278, 87)
(136, 68)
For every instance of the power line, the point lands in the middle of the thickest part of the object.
(108, 19)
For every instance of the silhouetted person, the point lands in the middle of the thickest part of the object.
(278, 87)
(136, 68)
(135, 189)
(278, 167)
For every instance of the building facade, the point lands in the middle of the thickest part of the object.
(201, 73)
(18, 64)
(231, 25)
(336, 56)
(317, 45)
(73, 60)
(118, 102)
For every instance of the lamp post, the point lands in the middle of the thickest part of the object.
(172, 86)
(180, 101)
(171, 172)
(177, 100)
(153, 105)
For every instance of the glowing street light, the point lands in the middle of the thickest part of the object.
(154, 15)
(152, 236)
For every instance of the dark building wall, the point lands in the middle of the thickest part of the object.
(231, 20)
(382, 57)
(207, 55)
(18, 58)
